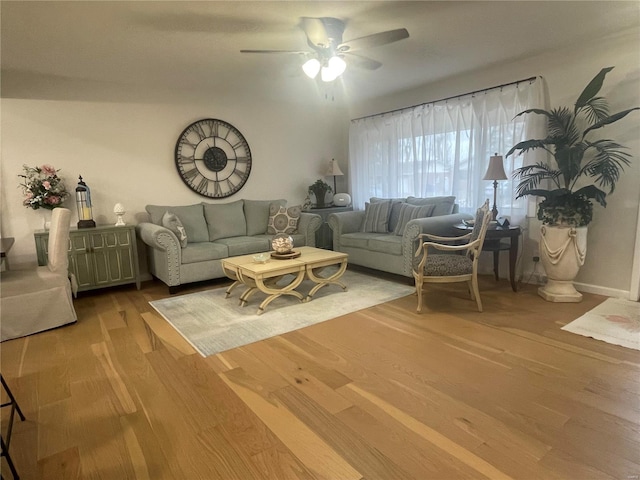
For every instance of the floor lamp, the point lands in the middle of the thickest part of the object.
(495, 172)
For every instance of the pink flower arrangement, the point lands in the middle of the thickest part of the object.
(42, 187)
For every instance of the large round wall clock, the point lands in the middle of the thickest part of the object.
(213, 158)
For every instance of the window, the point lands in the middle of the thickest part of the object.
(443, 148)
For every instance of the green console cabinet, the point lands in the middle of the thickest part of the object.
(99, 257)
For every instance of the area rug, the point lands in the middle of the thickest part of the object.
(212, 323)
(614, 321)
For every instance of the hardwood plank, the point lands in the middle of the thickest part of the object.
(97, 431)
(323, 461)
(445, 444)
(54, 437)
(64, 465)
(230, 463)
(353, 447)
(278, 463)
(287, 346)
(125, 403)
(134, 449)
(143, 445)
(294, 374)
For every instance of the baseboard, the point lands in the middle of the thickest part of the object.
(599, 290)
(532, 279)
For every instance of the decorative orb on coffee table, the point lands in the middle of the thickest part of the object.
(282, 243)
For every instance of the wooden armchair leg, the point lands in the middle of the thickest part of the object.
(476, 293)
(419, 293)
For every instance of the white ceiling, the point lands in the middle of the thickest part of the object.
(195, 46)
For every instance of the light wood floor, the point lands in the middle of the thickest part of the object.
(384, 393)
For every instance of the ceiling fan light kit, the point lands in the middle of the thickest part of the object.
(311, 67)
(324, 37)
(328, 72)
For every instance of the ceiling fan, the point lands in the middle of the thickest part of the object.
(324, 37)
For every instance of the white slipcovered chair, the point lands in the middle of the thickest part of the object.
(38, 299)
(460, 264)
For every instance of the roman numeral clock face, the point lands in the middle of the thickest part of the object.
(213, 158)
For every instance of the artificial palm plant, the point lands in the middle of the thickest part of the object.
(577, 158)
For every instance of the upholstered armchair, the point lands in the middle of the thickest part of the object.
(459, 263)
(35, 300)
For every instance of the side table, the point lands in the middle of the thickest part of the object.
(493, 243)
(324, 235)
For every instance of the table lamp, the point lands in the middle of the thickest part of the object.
(495, 172)
(334, 171)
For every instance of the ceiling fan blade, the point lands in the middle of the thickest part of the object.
(323, 32)
(374, 40)
(275, 51)
(362, 62)
(315, 30)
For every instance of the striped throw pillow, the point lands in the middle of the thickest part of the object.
(376, 217)
(411, 212)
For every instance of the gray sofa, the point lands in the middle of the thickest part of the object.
(389, 242)
(213, 232)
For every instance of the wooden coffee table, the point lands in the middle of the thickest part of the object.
(264, 277)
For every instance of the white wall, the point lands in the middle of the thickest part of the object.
(612, 233)
(125, 152)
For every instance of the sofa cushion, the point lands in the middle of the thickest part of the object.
(376, 217)
(245, 245)
(225, 220)
(256, 213)
(391, 244)
(203, 251)
(410, 212)
(282, 219)
(191, 216)
(173, 223)
(355, 240)
(396, 203)
(444, 205)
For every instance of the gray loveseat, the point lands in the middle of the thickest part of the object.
(386, 238)
(213, 232)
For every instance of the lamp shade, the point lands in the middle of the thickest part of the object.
(334, 169)
(311, 67)
(495, 171)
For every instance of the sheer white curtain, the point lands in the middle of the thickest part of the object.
(443, 148)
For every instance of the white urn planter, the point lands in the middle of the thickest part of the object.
(562, 253)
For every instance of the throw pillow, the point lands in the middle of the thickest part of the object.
(191, 216)
(394, 215)
(376, 217)
(173, 223)
(411, 212)
(444, 205)
(282, 219)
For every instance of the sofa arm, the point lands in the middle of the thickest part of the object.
(344, 222)
(442, 225)
(308, 225)
(164, 253)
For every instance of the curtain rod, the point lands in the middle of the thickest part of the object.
(530, 79)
